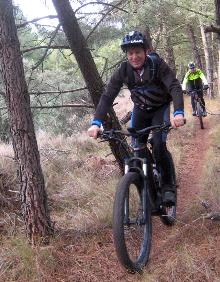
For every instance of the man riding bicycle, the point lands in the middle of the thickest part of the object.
(151, 98)
(194, 80)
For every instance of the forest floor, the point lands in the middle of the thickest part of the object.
(185, 245)
(82, 248)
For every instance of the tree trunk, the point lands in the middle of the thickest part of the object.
(192, 39)
(169, 54)
(217, 18)
(215, 54)
(208, 60)
(148, 37)
(88, 68)
(32, 188)
(158, 36)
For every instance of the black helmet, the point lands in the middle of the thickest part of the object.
(133, 39)
(191, 65)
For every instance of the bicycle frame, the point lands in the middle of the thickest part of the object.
(142, 165)
(131, 165)
(198, 105)
(136, 200)
(196, 97)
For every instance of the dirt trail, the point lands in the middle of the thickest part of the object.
(94, 259)
(188, 177)
(190, 168)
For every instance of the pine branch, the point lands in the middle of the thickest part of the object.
(102, 19)
(50, 42)
(101, 3)
(44, 47)
(59, 106)
(51, 92)
(35, 20)
(212, 28)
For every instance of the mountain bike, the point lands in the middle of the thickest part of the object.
(138, 196)
(198, 105)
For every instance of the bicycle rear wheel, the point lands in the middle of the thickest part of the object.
(131, 225)
(168, 215)
(200, 113)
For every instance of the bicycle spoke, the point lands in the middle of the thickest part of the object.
(131, 226)
(134, 231)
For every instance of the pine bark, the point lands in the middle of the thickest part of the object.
(217, 19)
(208, 59)
(195, 50)
(147, 35)
(169, 53)
(32, 188)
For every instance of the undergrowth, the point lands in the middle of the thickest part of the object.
(80, 182)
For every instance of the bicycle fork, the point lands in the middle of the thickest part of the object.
(140, 220)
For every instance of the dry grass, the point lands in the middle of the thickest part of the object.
(80, 188)
(192, 256)
(211, 170)
(80, 184)
(20, 262)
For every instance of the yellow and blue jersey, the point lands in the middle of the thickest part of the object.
(196, 79)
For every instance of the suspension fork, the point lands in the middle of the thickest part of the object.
(144, 190)
(126, 205)
(143, 193)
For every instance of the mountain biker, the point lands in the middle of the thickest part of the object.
(194, 80)
(151, 100)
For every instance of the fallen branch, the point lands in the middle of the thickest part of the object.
(213, 216)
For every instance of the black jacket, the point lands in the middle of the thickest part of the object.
(163, 89)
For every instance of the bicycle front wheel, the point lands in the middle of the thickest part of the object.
(200, 113)
(132, 223)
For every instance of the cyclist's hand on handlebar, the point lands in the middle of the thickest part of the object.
(177, 121)
(93, 131)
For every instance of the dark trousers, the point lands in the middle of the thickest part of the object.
(200, 94)
(196, 85)
(143, 118)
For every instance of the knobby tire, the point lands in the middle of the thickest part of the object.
(131, 183)
(200, 113)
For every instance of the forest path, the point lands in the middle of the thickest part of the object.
(188, 178)
(91, 256)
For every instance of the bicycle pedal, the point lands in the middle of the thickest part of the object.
(169, 205)
(169, 198)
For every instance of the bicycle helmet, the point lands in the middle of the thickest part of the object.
(133, 39)
(191, 65)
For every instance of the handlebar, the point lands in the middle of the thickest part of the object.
(197, 90)
(131, 132)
